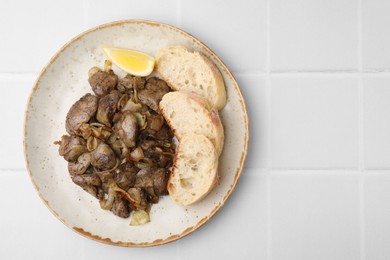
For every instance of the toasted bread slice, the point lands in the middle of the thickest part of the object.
(192, 71)
(187, 112)
(195, 170)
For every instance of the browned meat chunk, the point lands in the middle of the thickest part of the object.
(160, 181)
(88, 178)
(103, 157)
(150, 138)
(71, 147)
(125, 175)
(107, 108)
(120, 207)
(102, 82)
(130, 82)
(145, 180)
(153, 92)
(127, 129)
(148, 144)
(155, 122)
(161, 158)
(138, 198)
(80, 112)
(165, 133)
(153, 181)
(81, 165)
(88, 182)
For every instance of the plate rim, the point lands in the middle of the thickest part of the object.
(188, 230)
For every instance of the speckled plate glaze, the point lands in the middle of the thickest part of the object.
(63, 81)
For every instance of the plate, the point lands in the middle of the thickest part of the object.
(63, 81)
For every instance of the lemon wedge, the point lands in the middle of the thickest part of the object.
(133, 62)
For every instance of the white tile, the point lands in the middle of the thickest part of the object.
(101, 11)
(376, 122)
(253, 89)
(16, 90)
(314, 122)
(376, 34)
(95, 250)
(313, 35)
(315, 216)
(238, 230)
(377, 215)
(33, 31)
(236, 32)
(28, 229)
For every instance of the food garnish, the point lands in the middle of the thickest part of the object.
(133, 62)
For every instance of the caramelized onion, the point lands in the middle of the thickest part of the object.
(156, 122)
(109, 170)
(140, 217)
(122, 101)
(137, 154)
(85, 130)
(131, 106)
(107, 203)
(141, 120)
(112, 138)
(107, 65)
(134, 97)
(144, 163)
(91, 143)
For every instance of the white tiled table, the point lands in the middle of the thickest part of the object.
(316, 79)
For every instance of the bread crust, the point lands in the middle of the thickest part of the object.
(211, 87)
(186, 186)
(216, 135)
(192, 113)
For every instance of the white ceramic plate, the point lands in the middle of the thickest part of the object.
(63, 81)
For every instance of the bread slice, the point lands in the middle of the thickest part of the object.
(192, 71)
(187, 112)
(195, 170)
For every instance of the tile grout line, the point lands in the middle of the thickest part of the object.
(361, 129)
(267, 132)
(12, 74)
(268, 217)
(362, 217)
(268, 84)
(329, 73)
(319, 171)
(310, 73)
(302, 171)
